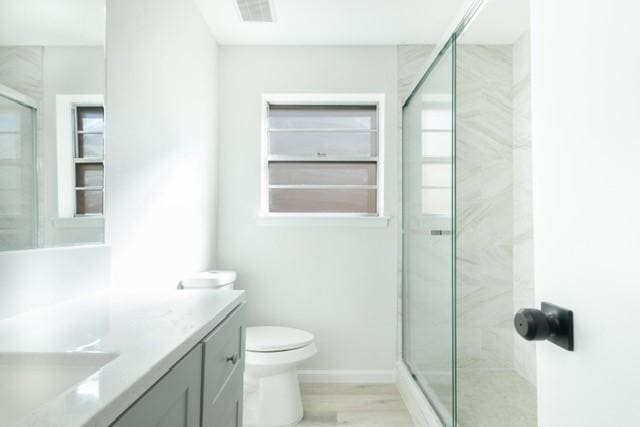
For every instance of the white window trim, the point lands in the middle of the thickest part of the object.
(65, 142)
(329, 219)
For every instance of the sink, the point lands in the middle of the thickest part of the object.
(28, 380)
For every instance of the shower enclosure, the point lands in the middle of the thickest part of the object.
(467, 232)
(18, 189)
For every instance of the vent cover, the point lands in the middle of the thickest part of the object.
(255, 10)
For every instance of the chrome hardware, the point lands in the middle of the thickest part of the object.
(440, 232)
(233, 358)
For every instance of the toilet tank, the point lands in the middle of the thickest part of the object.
(213, 280)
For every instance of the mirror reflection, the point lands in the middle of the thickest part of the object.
(51, 123)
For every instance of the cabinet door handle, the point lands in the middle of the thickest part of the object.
(233, 358)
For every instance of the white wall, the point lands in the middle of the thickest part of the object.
(39, 277)
(70, 71)
(161, 141)
(586, 147)
(337, 282)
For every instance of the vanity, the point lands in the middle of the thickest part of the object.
(72, 353)
(126, 359)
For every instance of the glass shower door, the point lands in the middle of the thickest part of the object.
(18, 183)
(429, 236)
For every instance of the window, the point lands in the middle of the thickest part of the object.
(89, 160)
(322, 155)
(436, 155)
(80, 146)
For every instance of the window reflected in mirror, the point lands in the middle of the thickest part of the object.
(52, 126)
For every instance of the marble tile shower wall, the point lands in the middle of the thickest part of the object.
(21, 69)
(484, 177)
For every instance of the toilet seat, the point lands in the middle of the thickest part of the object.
(276, 339)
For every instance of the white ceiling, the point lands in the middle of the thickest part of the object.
(52, 22)
(342, 22)
(298, 22)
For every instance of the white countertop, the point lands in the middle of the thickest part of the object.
(147, 332)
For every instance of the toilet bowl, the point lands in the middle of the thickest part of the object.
(272, 354)
(271, 389)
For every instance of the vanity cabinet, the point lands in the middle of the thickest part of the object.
(205, 388)
(174, 401)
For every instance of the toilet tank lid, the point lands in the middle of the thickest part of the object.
(209, 279)
(276, 338)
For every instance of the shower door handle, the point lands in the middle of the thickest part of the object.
(440, 232)
(551, 323)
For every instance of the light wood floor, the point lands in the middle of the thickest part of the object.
(358, 405)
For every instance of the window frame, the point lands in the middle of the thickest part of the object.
(77, 160)
(66, 142)
(376, 100)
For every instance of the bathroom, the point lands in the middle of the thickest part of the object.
(278, 212)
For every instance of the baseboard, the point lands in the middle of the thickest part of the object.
(346, 376)
(419, 407)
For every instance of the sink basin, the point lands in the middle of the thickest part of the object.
(28, 380)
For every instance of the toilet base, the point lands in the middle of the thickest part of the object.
(272, 401)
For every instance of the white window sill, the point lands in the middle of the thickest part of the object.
(78, 222)
(323, 221)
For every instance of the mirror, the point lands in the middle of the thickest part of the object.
(51, 123)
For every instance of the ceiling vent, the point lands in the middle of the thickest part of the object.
(255, 10)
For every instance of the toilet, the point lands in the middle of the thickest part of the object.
(272, 355)
(271, 390)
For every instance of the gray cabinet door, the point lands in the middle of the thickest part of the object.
(223, 373)
(174, 401)
(226, 410)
